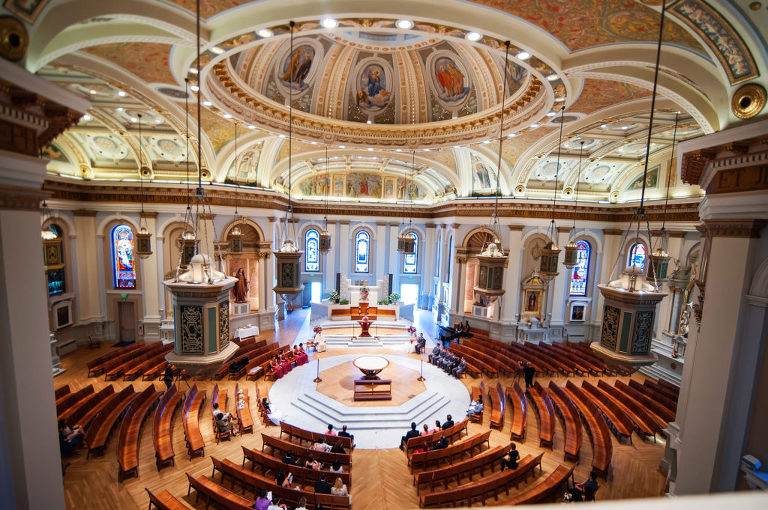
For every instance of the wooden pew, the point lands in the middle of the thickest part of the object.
(162, 427)
(664, 390)
(72, 399)
(60, 392)
(579, 356)
(425, 459)
(516, 397)
(550, 488)
(675, 390)
(546, 412)
(244, 414)
(563, 368)
(244, 350)
(570, 417)
(164, 501)
(81, 415)
(647, 424)
(600, 435)
(496, 399)
(507, 364)
(619, 422)
(219, 397)
(564, 357)
(312, 437)
(96, 366)
(301, 475)
(661, 398)
(455, 472)
(151, 360)
(277, 444)
(130, 429)
(102, 425)
(485, 488)
(191, 420)
(450, 433)
(215, 493)
(479, 360)
(114, 369)
(253, 480)
(658, 409)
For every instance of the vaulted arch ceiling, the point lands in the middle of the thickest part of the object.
(596, 59)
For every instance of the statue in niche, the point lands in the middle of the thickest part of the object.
(241, 287)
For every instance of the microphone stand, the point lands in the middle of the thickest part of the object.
(317, 376)
(421, 368)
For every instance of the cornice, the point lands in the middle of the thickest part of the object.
(735, 228)
(21, 198)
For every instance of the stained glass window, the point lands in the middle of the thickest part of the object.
(123, 264)
(637, 254)
(311, 251)
(409, 261)
(362, 251)
(580, 274)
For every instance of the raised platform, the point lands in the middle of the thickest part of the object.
(383, 334)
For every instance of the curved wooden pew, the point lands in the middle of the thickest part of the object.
(424, 459)
(60, 392)
(164, 501)
(130, 430)
(563, 368)
(516, 397)
(508, 364)
(253, 480)
(243, 415)
(274, 443)
(81, 413)
(194, 438)
(619, 422)
(496, 398)
(476, 359)
(658, 409)
(450, 433)
(600, 435)
(215, 493)
(162, 427)
(312, 437)
(668, 393)
(455, 472)
(70, 400)
(96, 366)
(571, 422)
(485, 488)
(103, 423)
(219, 397)
(551, 487)
(655, 395)
(546, 412)
(646, 423)
(301, 475)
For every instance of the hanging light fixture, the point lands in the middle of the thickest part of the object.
(551, 253)
(401, 237)
(288, 256)
(235, 236)
(188, 237)
(325, 236)
(492, 261)
(572, 249)
(660, 256)
(408, 242)
(143, 237)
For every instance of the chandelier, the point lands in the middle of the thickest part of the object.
(660, 256)
(572, 249)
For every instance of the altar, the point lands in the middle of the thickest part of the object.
(363, 294)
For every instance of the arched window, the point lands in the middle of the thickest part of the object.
(53, 257)
(409, 260)
(362, 251)
(123, 264)
(580, 275)
(637, 254)
(311, 251)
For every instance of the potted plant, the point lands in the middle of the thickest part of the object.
(333, 297)
(344, 301)
(394, 298)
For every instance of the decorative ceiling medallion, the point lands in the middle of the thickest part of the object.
(14, 40)
(748, 101)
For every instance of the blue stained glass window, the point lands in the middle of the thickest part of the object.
(409, 261)
(123, 263)
(637, 255)
(362, 251)
(311, 251)
(580, 275)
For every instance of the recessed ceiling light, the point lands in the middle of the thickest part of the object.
(217, 51)
(523, 55)
(603, 126)
(206, 102)
(486, 141)
(92, 91)
(193, 70)
(427, 150)
(342, 147)
(398, 150)
(86, 117)
(559, 99)
(368, 121)
(134, 119)
(457, 146)
(625, 127)
(454, 116)
(551, 114)
(313, 142)
(473, 36)
(265, 32)
(535, 125)
(329, 23)
(251, 126)
(552, 77)
(370, 148)
(194, 88)
(511, 135)
(158, 121)
(404, 24)
(121, 93)
(621, 149)
(120, 109)
(227, 116)
(281, 135)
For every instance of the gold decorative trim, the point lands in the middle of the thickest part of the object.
(735, 228)
(748, 101)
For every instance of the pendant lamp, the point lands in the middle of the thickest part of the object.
(572, 249)
(325, 236)
(551, 253)
(143, 237)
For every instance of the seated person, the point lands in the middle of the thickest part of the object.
(284, 480)
(276, 367)
(320, 446)
(331, 432)
(448, 423)
(320, 342)
(276, 505)
(335, 467)
(224, 422)
(411, 433)
(460, 368)
(338, 448)
(262, 502)
(302, 504)
(302, 356)
(321, 486)
(420, 343)
(344, 433)
(476, 407)
(69, 438)
(585, 491)
(441, 443)
(510, 461)
(311, 463)
(437, 428)
(339, 488)
(465, 330)
(426, 431)
(289, 458)
(436, 353)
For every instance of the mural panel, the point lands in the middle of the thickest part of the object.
(483, 179)
(651, 180)
(453, 84)
(296, 66)
(372, 92)
(409, 190)
(363, 185)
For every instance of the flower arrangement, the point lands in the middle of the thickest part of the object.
(343, 301)
(394, 298)
(317, 329)
(411, 329)
(333, 296)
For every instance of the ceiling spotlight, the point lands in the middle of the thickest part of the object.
(281, 135)
(454, 116)
(227, 116)
(427, 150)
(342, 147)
(313, 142)
(398, 150)
(86, 117)
(265, 32)
(158, 120)
(551, 114)
(535, 125)
(625, 127)
(473, 36)
(603, 126)
(217, 51)
(194, 88)
(206, 102)
(134, 119)
(370, 148)
(486, 141)
(251, 126)
(404, 24)
(121, 93)
(193, 70)
(511, 135)
(120, 108)
(329, 23)
(559, 99)
(523, 55)
(552, 77)
(368, 121)
(92, 91)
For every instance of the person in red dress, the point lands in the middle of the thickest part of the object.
(276, 367)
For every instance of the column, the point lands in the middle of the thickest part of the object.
(668, 303)
(89, 296)
(150, 283)
(605, 269)
(557, 287)
(394, 231)
(344, 246)
(512, 274)
(329, 272)
(269, 273)
(160, 251)
(459, 280)
(380, 258)
(428, 260)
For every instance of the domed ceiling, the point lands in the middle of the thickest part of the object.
(406, 104)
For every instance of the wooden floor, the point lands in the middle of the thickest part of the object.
(338, 383)
(381, 478)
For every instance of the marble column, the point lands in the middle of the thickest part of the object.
(329, 259)
(512, 278)
(558, 288)
(87, 244)
(605, 269)
(394, 255)
(345, 244)
(149, 275)
(380, 259)
(427, 261)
